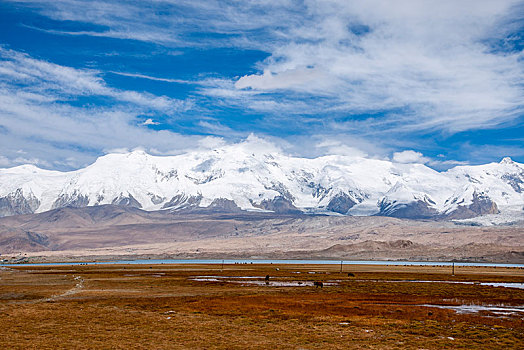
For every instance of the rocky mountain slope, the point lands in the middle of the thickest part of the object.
(115, 232)
(254, 176)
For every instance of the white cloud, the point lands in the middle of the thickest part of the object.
(336, 147)
(36, 115)
(446, 164)
(389, 68)
(150, 121)
(409, 156)
(430, 62)
(211, 142)
(428, 59)
(47, 82)
(291, 79)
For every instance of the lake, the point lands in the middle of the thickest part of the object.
(268, 261)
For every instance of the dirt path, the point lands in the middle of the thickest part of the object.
(78, 287)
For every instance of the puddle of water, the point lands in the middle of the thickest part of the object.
(160, 274)
(259, 281)
(277, 283)
(284, 283)
(470, 309)
(232, 277)
(506, 285)
(255, 282)
(205, 279)
(493, 284)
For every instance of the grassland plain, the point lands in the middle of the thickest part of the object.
(207, 307)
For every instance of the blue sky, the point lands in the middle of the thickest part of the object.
(441, 83)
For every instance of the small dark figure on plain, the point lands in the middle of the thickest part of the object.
(267, 279)
(351, 274)
(318, 284)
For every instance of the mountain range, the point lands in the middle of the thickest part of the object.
(254, 176)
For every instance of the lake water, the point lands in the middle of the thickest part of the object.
(266, 261)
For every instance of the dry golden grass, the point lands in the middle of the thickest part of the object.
(160, 307)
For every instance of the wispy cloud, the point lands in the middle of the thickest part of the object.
(148, 77)
(369, 76)
(40, 112)
(48, 81)
(169, 22)
(422, 65)
(446, 66)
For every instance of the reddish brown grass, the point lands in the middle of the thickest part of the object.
(156, 307)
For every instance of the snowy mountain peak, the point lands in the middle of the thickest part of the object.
(507, 160)
(255, 175)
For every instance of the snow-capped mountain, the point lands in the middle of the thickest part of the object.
(253, 175)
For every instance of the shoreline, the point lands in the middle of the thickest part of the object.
(243, 261)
